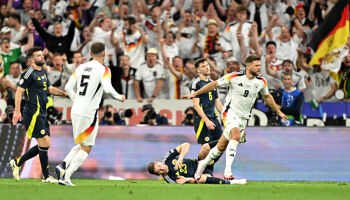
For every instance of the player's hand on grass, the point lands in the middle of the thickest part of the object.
(189, 96)
(179, 163)
(210, 125)
(282, 115)
(16, 116)
(181, 180)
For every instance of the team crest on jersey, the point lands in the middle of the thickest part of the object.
(21, 81)
(154, 73)
(174, 162)
(42, 132)
(206, 139)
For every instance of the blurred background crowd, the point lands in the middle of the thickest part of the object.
(151, 46)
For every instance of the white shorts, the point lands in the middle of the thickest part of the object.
(84, 129)
(231, 120)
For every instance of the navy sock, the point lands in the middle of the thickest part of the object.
(44, 161)
(64, 165)
(214, 180)
(28, 155)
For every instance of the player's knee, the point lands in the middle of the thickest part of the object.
(87, 149)
(235, 134)
(204, 151)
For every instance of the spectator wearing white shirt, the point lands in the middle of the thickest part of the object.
(6, 32)
(17, 29)
(77, 59)
(12, 79)
(274, 64)
(151, 73)
(131, 42)
(170, 46)
(151, 25)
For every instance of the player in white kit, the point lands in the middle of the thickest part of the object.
(244, 87)
(90, 80)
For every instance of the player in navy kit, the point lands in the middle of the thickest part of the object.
(206, 124)
(176, 169)
(35, 85)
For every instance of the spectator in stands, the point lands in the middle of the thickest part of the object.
(11, 80)
(258, 13)
(38, 15)
(56, 42)
(110, 9)
(123, 78)
(292, 102)
(6, 32)
(151, 117)
(27, 6)
(56, 75)
(3, 13)
(187, 37)
(288, 67)
(215, 46)
(151, 25)
(17, 29)
(11, 55)
(152, 74)
(286, 45)
(343, 77)
(170, 47)
(54, 9)
(132, 42)
(242, 26)
(269, 60)
(87, 42)
(321, 85)
(77, 59)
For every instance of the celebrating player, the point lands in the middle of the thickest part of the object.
(244, 87)
(204, 105)
(34, 81)
(176, 169)
(88, 79)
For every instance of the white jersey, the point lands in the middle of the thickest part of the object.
(89, 79)
(242, 92)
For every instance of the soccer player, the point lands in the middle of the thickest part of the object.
(34, 81)
(176, 169)
(244, 87)
(89, 79)
(204, 105)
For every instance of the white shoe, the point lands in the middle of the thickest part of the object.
(15, 169)
(60, 172)
(199, 171)
(66, 183)
(49, 179)
(229, 177)
(239, 181)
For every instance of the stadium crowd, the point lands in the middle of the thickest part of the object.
(151, 45)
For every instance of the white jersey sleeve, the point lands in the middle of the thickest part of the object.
(264, 91)
(107, 86)
(225, 80)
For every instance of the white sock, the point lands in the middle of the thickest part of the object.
(212, 155)
(77, 161)
(71, 155)
(230, 156)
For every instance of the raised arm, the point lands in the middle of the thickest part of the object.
(268, 70)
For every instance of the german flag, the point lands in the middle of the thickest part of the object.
(331, 35)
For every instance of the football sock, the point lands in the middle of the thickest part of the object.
(44, 161)
(68, 159)
(212, 155)
(77, 161)
(230, 155)
(28, 155)
(214, 180)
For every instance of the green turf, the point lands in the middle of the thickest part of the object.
(151, 189)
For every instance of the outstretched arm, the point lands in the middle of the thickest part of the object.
(209, 87)
(272, 104)
(57, 92)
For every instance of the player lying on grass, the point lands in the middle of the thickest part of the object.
(176, 169)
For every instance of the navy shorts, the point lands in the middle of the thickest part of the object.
(36, 126)
(203, 134)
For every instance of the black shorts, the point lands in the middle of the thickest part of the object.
(203, 134)
(36, 126)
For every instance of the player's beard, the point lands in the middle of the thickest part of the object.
(39, 63)
(254, 73)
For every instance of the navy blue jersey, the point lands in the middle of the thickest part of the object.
(35, 83)
(188, 168)
(206, 100)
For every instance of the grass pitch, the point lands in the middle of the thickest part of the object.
(29, 189)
